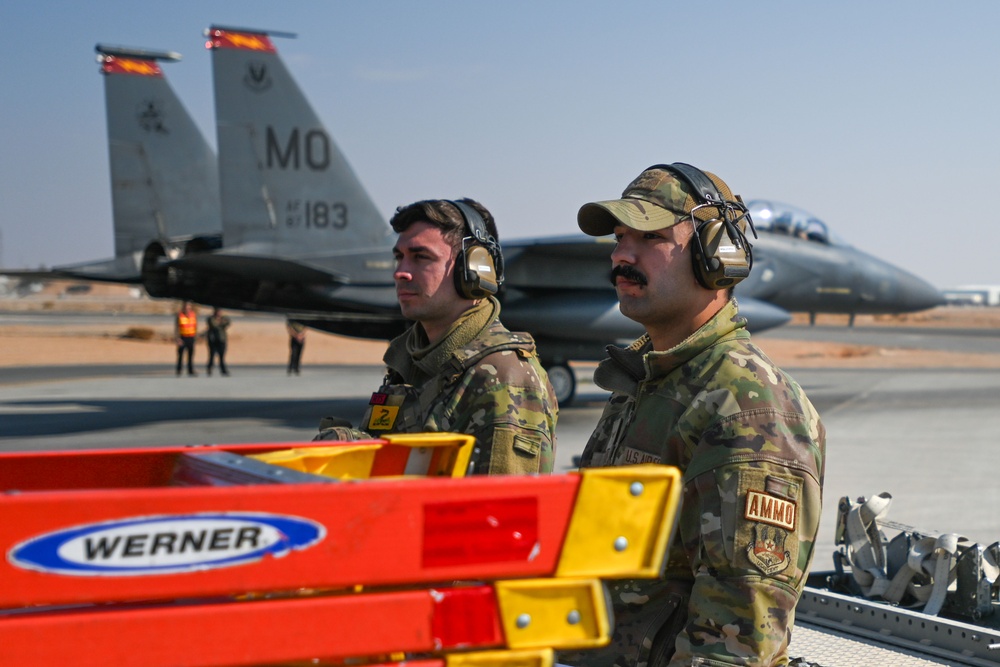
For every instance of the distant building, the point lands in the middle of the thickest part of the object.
(973, 295)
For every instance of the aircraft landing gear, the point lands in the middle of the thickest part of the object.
(563, 381)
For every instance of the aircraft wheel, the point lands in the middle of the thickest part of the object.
(563, 382)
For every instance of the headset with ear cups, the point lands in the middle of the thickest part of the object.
(479, 265)
(722, 255)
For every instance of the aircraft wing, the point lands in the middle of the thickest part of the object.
(30, 274)
(123, 269)
(116, 270)
(258, 268)
(574, 262)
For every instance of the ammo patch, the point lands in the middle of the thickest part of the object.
(766, 508)
(766, 537)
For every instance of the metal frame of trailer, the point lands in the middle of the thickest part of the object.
(898, 635)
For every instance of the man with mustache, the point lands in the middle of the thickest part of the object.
(458, 368)
(696, 393)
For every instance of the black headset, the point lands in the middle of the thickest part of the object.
(479, 266)
(720, 259)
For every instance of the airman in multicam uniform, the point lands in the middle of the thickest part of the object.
(458, 368)
(696, 393)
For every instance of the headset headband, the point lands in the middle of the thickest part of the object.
(698, 180)
(475, 223)
(695, 177)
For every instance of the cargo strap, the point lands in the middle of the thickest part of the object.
(921, 570)
(865, 544)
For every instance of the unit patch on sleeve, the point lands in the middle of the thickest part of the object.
(383, 417)
(767, 550)
(766, 538)
(384, 408)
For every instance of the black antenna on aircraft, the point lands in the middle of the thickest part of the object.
(127, 52)
(254, 31)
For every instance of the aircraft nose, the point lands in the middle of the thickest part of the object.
(917, 294)
(761, 315)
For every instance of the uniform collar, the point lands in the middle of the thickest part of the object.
(415, 359)
(625, 367)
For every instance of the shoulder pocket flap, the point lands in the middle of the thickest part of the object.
(530, 445)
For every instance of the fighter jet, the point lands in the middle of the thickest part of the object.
(300, 236)
(802, 266)
(164, 175)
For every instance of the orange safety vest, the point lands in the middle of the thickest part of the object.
(187, 325)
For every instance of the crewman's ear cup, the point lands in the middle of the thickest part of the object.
(718, 262)
(475, 273)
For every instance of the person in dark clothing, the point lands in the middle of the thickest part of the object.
(296, 341)
(217, 340)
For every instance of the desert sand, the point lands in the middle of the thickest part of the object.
(263, 340)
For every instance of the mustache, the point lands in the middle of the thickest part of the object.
(628, 272)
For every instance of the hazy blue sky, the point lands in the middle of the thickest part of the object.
(879, 117)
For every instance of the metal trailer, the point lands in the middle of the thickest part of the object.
(834, 629)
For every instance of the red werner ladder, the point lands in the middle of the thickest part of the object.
(317, 552)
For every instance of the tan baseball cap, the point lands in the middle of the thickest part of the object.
(656, 199)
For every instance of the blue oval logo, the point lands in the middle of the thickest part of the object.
(166, 544)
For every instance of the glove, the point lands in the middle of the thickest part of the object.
(336, 428)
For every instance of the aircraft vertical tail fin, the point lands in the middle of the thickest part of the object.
(164, 175)
(286, 187)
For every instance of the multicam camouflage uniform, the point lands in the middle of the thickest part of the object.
(489, 384)
(751, 448)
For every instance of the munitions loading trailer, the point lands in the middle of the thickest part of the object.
(919, 598)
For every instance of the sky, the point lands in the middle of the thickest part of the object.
(880, 118)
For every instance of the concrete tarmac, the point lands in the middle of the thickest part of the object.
(927, 436)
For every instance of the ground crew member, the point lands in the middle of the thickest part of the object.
(218, 339)
(696, 393)
(458, 368)
(185, 331)
(296, 342)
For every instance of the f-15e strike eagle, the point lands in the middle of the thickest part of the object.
(280, 222)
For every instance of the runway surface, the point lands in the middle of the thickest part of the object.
(927, 436)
